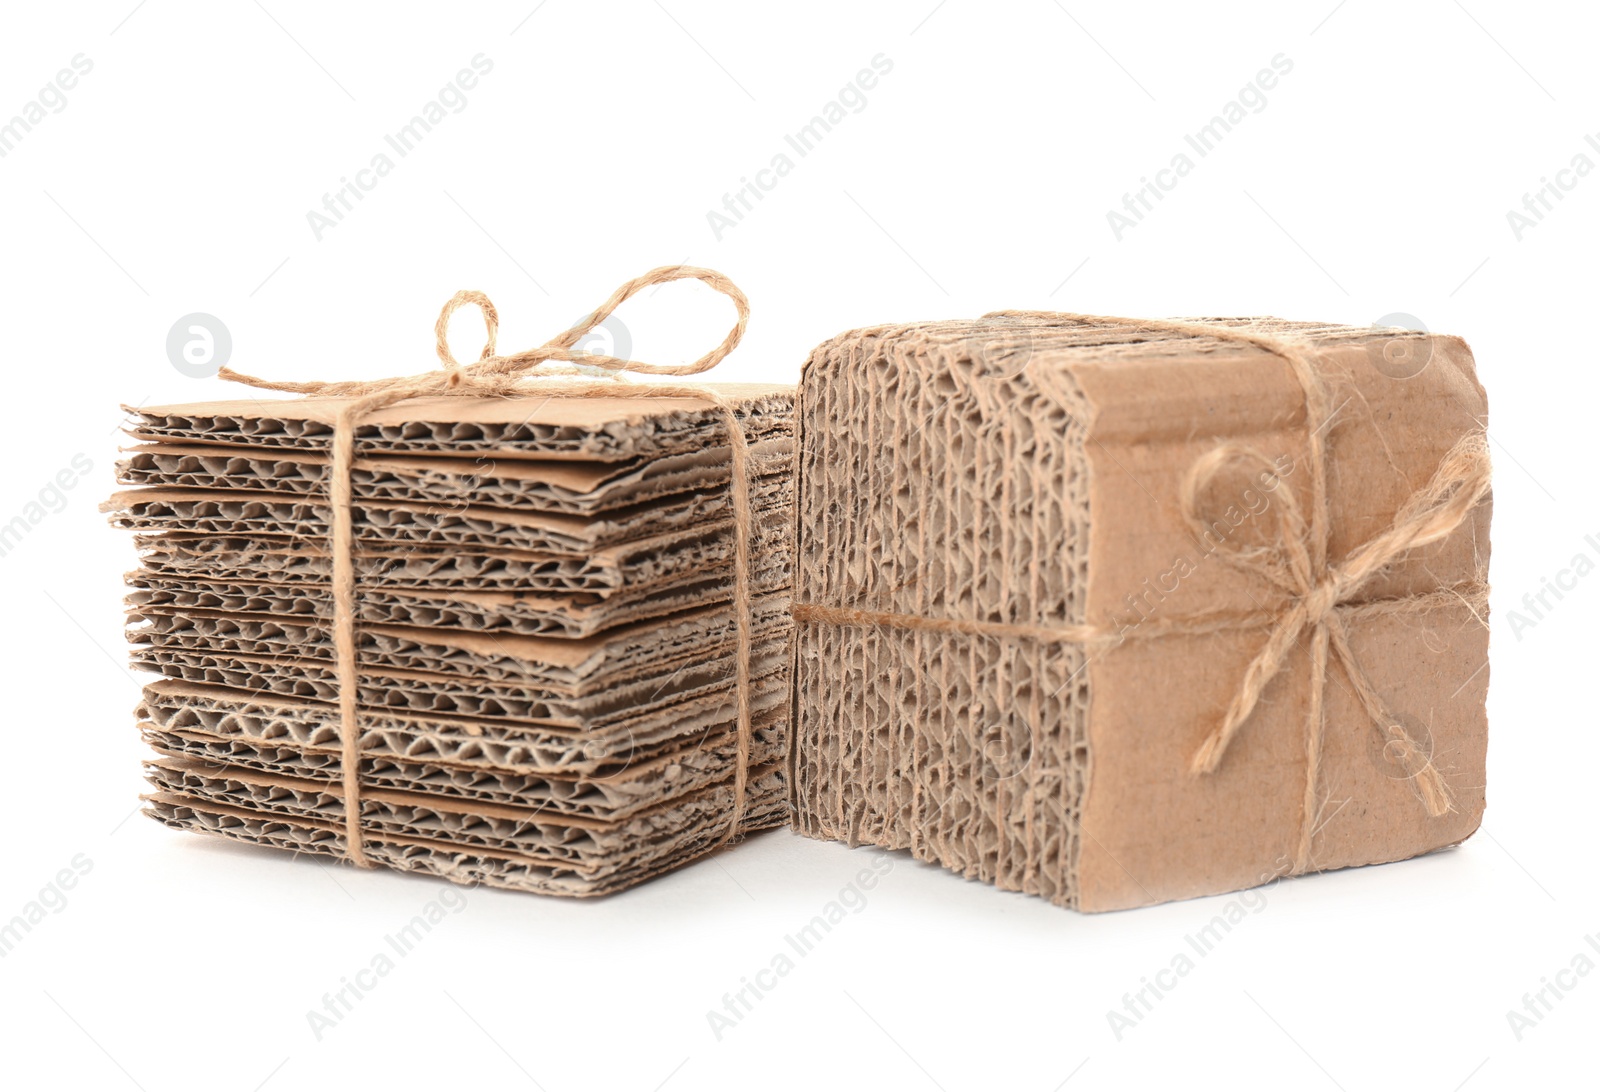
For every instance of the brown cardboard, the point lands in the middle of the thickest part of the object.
(184, 710)
(540, 427)
(462, 694)
(681, 555)
(637, 852)
(530, 614)
(549, 485)
(638, 780)
(577, 666)
(529, 831)
(545, 630)
(451, 523)
(1027, 470)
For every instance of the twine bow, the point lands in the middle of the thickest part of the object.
(1320, 597)
(491, 376)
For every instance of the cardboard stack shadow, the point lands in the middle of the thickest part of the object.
(546, 640)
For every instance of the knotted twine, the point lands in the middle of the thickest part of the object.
(522, 373)
(1319, 595)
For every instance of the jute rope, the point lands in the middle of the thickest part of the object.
(523, 373)
(1319, 596)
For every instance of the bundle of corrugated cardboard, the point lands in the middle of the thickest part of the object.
(1115, 612)
(545, 629)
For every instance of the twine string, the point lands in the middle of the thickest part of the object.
(1318, 596)
(491, 376)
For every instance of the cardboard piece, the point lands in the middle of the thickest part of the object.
(456, 523)
(545, 630)
(205, 713)
(1027, 470)
(604, 429)
(681, 555)
(549, 485)
(522, 613)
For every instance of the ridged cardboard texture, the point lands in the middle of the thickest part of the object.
(1028, 470)
(545, 630)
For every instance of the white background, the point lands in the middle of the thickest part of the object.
(1377, 179)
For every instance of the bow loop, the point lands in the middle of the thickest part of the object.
(441, 329)
(492, 375)
(561, 347)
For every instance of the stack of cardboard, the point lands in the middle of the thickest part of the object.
(545, 639)
(1021, 618)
